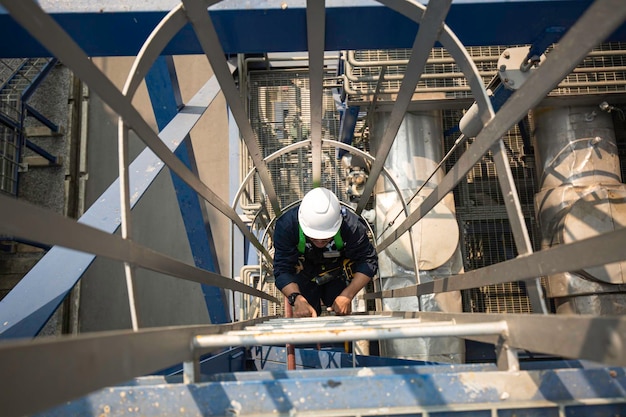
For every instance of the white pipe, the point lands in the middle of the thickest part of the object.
(245, 272)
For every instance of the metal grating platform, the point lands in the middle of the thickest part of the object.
(385, 391)
(280, 115)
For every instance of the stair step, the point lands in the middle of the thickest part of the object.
(368, 391)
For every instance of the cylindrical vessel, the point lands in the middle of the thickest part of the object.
(415, 153)
(580, 195)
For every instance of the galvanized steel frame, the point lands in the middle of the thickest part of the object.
(606, 248)
(41, 225)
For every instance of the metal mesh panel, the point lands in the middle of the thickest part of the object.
(268, 308)
(486, 234)
(602, 71)
(11, 85)
(9, 159)
(280, 114)
(441, 73)
(274, 309)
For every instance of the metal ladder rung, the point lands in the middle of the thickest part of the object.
(307, 324)
(340, 334)
(328, 328)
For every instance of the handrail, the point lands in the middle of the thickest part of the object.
(607, 248)
(45, 226)
(161, 347)
(118, 356)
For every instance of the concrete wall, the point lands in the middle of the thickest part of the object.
(43, 185)
(157, 222)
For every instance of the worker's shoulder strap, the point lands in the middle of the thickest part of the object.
(302, 240)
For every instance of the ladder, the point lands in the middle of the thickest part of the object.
(536, 388)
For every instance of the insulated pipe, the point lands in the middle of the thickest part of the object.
(580, 195)
(414, 155)
(416, 150)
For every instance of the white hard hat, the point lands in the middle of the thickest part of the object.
(320, 214)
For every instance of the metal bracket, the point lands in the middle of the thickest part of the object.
(506, 357)
(512, 67)
(191, 371)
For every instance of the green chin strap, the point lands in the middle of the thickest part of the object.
(302, 240)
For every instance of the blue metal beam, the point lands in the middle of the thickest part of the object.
(166, 99)
(31, 111)
(349, 117)
(37, 80)
(350, 24)
(8, 122)
(54, 160)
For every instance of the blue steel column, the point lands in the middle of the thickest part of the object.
(164, 92)
(349, 117)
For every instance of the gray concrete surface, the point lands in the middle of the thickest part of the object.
(157, 222)
(45, 185)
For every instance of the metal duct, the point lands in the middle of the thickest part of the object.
(581, 195)
(416, 150)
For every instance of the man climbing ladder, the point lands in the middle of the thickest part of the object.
(322, 252)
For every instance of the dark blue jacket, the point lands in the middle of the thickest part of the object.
(357, 247)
